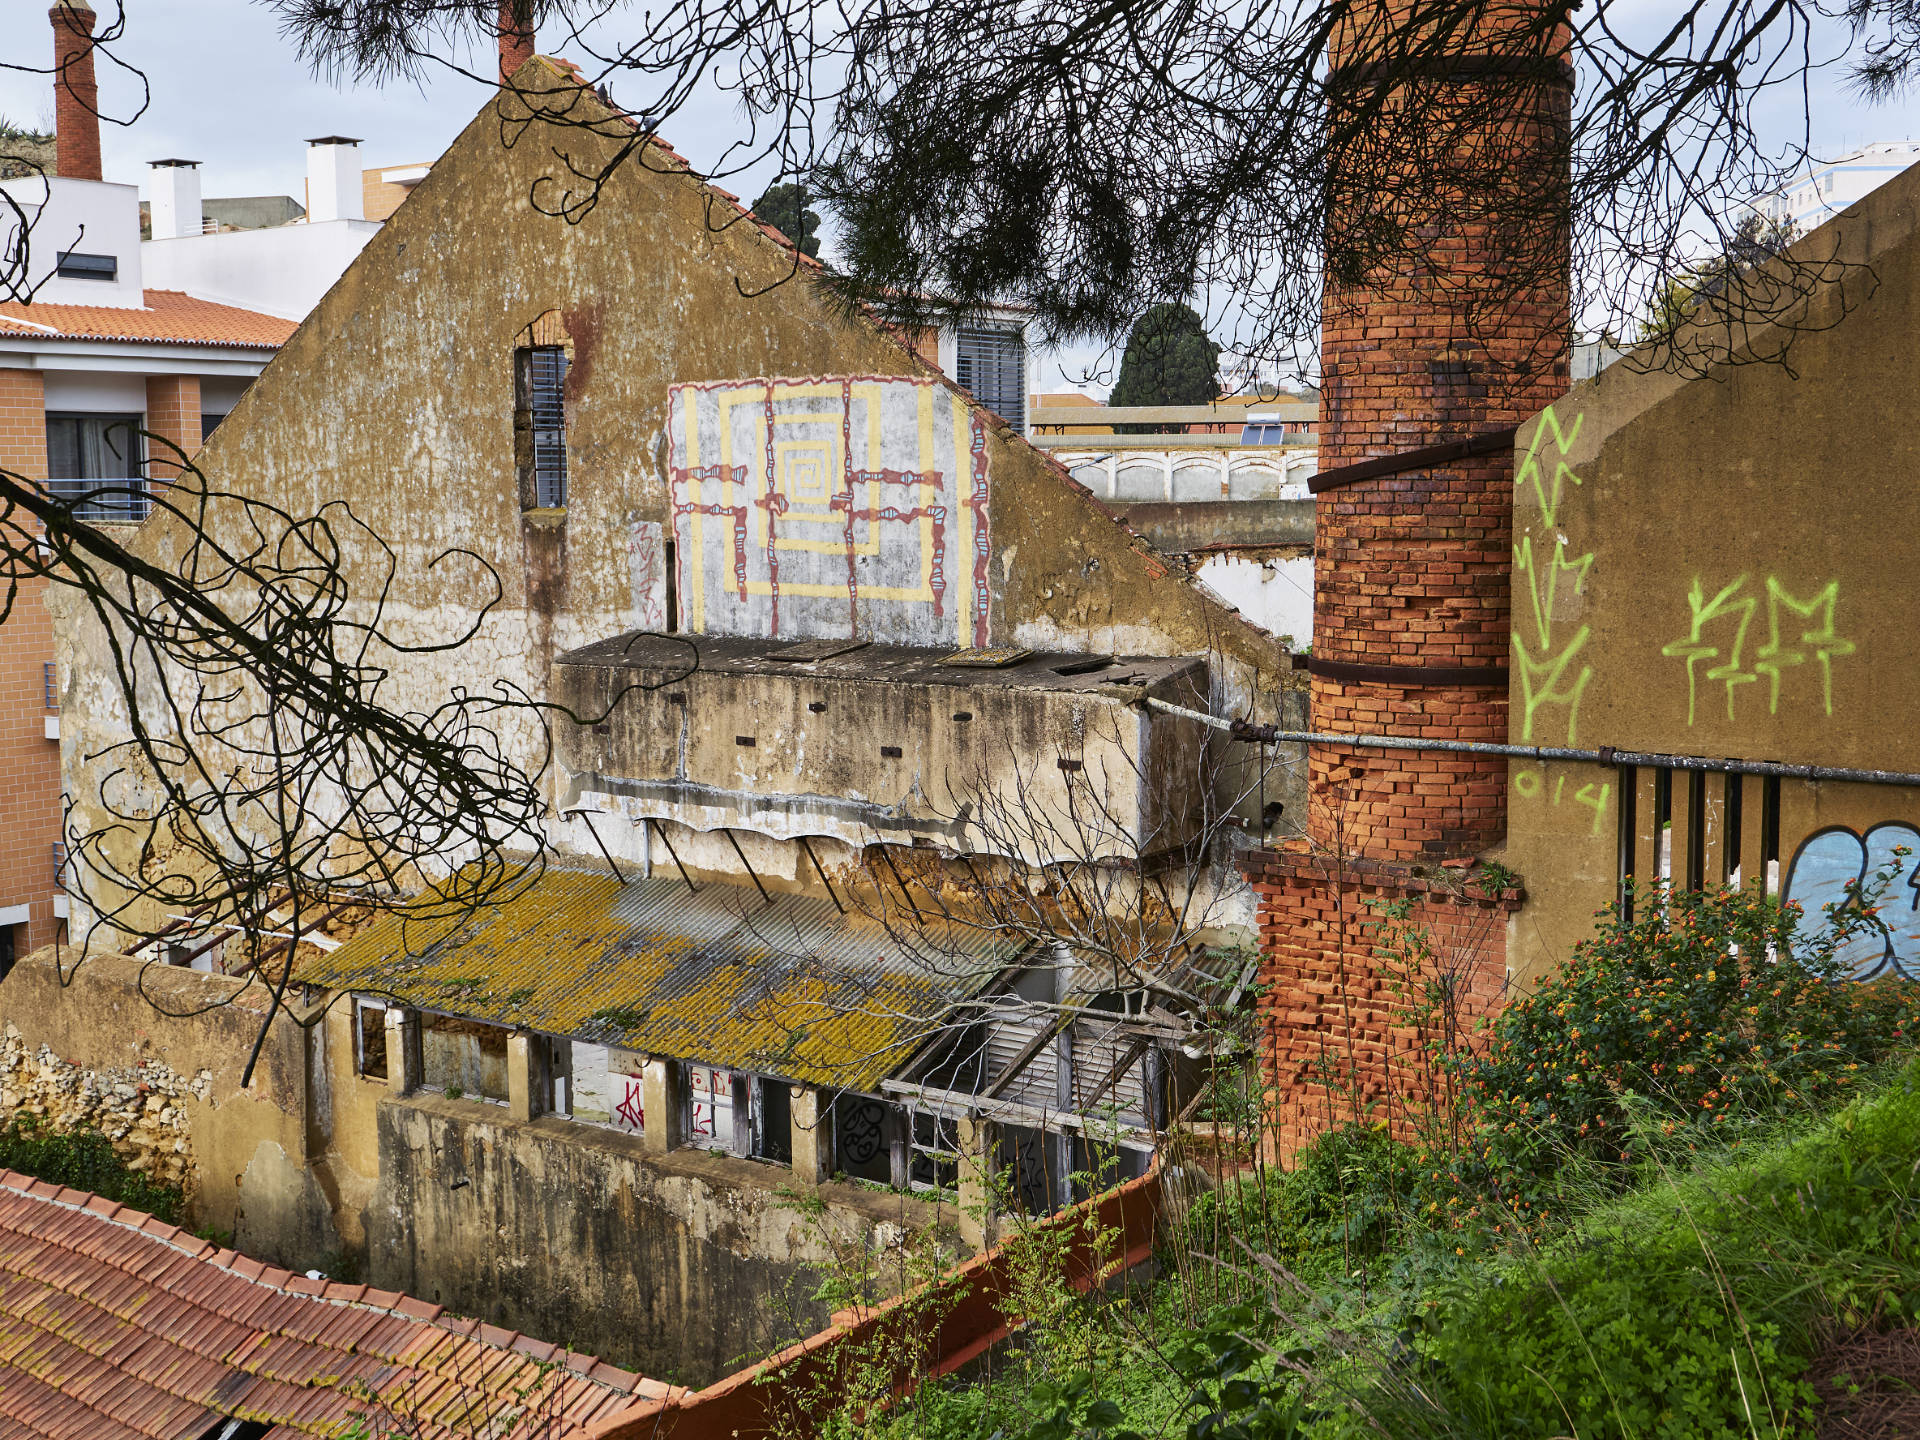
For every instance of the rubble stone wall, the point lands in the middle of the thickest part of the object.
(141, 1108)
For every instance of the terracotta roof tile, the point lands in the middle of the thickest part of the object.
(115, 1327)
(169, 317)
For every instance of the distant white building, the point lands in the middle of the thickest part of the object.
(1826, 187)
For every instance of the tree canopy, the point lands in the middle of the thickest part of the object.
(1169, 360)
(785, 207)
(996, 152)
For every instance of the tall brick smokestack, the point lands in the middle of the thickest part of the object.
(1413, 569)
(1445, 317)
(76, 102)
(516, 36)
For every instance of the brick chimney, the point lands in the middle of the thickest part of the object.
(76, 102)
(1413, 560)
(516, 36)
(1412, 571)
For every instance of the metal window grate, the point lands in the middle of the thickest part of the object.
(50, 685)
(60, 863)
(991, 363)
(546, 400)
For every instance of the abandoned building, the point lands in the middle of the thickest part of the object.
(765, 951)
(840, 661)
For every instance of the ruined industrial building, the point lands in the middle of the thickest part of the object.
(818, 661)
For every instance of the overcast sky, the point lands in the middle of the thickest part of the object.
(229, 91)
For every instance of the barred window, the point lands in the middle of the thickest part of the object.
(541, 416)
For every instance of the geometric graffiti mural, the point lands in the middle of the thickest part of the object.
(849, 507)
(1833, 865)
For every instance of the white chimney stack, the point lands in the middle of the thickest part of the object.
(173, 196)
(333, 180)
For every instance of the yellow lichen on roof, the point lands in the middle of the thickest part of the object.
(648, 966)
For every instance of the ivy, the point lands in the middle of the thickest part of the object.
(84, 1160)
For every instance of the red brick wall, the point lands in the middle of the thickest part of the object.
(29, 761)
(173, 412)
(1414, 569)
(1349, 1029)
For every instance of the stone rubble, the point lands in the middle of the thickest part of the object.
(140, 1109)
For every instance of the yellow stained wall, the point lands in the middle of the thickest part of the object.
(1722, 567)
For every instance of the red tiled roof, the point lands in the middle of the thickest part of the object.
(116, 1326)
(170, 316)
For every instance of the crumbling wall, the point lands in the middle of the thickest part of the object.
(141, 1107)
(676, 1265)
(1353, 955)
(109, 1023)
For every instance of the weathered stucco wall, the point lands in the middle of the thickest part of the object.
(676, 1265)
(397, 397)
(1721, 567)
(246, 1150)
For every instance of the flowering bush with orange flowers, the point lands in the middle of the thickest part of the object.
(1701, 1017)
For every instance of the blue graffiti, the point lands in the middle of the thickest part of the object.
(1829, 870)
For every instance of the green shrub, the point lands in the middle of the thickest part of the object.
(1341, 1206)
(1669, 1030)
(84, 1160)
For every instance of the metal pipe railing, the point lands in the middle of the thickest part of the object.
(1605, 755)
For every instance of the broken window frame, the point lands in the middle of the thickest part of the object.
(364, 1007)
(933, 1163)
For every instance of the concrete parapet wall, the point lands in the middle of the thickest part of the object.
(676, 1265)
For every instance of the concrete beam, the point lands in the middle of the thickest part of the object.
(812, 1122)
(660, 1095)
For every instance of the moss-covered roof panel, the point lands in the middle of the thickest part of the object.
(789, 987)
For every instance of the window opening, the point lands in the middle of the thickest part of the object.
(1663, 823)
(6, 950)
(860, 1126)
(1696, 829)
(1770, 834)
(464, 1058)
(1730, 850)
(1629, 836)
(542, 407)
(990, 362)
(934, 1161)
(773, 1121)
(710, 1108)
(96, 462)
(370, 1038)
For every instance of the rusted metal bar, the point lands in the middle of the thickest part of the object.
(1605, 755)
(1384, 465)
(692, 888)
(822, 870)
(734, 841)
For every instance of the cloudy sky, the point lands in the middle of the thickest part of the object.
(227, 89)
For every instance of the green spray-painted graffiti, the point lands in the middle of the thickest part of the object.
(1797, 631)
(1549, 655)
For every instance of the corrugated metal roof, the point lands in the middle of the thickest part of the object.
(792, 988)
